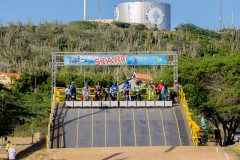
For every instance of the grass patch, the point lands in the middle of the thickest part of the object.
(28, 132)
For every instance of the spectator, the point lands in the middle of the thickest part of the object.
(71, 85)
(7, 146)
(11, 152)
(176, 87)
(160, 87)
(73, 91)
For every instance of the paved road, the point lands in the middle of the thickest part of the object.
(114, 127)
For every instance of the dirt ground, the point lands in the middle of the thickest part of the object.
(21, 144)
(27, 151)
(144, 153)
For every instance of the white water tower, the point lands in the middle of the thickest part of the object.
(155, 13)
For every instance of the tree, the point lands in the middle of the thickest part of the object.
(226, 116)
(11, 114)
(212, 89)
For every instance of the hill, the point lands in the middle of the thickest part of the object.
(209, 65)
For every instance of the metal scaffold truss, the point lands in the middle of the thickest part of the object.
(171, 59)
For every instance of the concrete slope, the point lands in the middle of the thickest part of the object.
(119, 127)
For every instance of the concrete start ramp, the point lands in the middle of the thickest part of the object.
(122, 127)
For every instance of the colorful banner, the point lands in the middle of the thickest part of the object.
(102, 60)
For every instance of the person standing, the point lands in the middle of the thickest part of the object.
(73, 92)
(11, 152)
(71, 85)
(176, 87)
(7, 146)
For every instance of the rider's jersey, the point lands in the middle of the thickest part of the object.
(151, 87)
(68, 91)
(85, 91)
(114, 88)
(137, 88)
(108, 90)
(97, 89)
(165, 92)
(73, 91)
(127, 85)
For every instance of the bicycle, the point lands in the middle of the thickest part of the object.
(114, 96)
(138, 96)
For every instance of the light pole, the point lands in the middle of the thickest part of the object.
(31, 120)
(32, 128)
(35, 91)
(35, 82)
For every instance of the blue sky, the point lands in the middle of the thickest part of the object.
(203, 13)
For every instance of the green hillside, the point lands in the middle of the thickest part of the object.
(209, 66)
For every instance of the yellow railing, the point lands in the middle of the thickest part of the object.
(54, 97)
(60, 94)
(195, 129)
